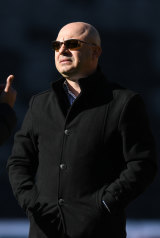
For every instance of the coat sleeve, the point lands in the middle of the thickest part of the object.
(7, 121)
(22, 163)
(139, 155)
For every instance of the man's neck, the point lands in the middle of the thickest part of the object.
(73, 83)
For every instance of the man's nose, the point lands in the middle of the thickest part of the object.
(63, 48)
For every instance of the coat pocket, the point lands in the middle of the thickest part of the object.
(32, 203)
(44, 208)
(99, 201)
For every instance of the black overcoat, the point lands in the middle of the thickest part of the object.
(66, 160)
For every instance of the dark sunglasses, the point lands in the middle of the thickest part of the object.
(71, 44)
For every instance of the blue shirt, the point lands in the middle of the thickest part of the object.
(71, 96)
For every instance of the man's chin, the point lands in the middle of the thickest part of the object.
(67, 72)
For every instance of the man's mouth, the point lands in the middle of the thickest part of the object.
(65, 60)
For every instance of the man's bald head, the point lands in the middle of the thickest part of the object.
(83, 30)
(75, 63)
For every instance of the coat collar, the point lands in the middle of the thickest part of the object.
(95, 89)
(95, 92)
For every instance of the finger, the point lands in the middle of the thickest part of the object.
(9, 82)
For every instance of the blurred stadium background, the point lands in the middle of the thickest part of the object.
(130, 32)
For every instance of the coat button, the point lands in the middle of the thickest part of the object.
(67, 132)
(61, 201)
(63, 166)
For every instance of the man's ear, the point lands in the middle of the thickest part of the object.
(97, 51)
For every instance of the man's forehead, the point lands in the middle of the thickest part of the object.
(71, 32)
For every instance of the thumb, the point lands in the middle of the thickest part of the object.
(8, 83)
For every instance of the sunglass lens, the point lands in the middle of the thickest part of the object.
(72, 44)
(56, 45)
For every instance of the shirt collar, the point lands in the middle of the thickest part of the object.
(67, 90)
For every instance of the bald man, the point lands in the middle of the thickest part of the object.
(85, 149)
(7, 114)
